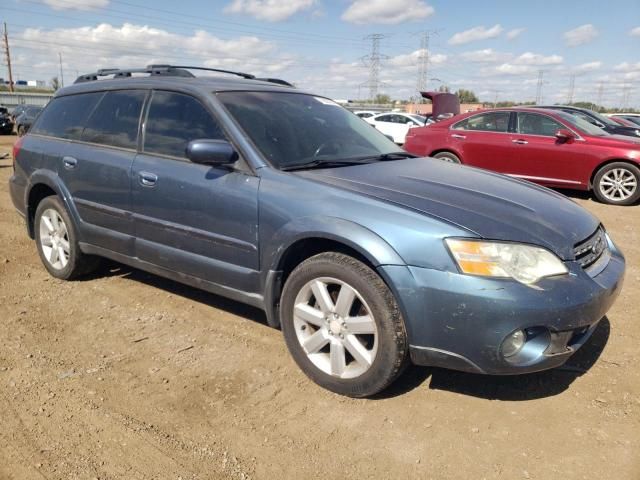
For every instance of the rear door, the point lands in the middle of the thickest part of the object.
(484, 141)
(97, 169)
(543, 158)
(199, 220)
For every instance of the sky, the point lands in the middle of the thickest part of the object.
(495, 49)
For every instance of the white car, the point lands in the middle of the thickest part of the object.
(365, 113)
(396, 125)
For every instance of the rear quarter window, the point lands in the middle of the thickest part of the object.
(65, 117)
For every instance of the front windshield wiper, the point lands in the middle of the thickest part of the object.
(321, 163)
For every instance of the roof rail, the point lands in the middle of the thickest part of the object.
(171, 71)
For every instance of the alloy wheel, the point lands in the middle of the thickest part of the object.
(618, 184)
(54, 239)
(335, 327)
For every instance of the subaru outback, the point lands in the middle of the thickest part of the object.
(366, 257)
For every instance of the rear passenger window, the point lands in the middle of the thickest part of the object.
(114, 122)
(485, 122)
(65, 116)
(174, 120)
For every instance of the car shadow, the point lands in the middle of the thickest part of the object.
(492, 387)
(112, 269)
(510, 387)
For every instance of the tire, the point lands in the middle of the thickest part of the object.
(447, 157)
(339, 359)
(617, 183)
(57, 242)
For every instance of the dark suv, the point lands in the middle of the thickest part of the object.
(365, 255)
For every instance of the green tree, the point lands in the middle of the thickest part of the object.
(467, 96)
(443, 89)
(382, 98)
(55, 83)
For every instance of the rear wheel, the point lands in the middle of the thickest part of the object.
(342, 325)
(57, 242)
(447, 157)
(617, 184)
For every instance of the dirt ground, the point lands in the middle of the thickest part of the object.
(126, 375)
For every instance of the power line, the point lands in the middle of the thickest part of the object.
(7, 54)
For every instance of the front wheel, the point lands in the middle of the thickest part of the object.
(617, 183)
(342, 325)
(447, 157)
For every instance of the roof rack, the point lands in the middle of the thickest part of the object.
(169, 71)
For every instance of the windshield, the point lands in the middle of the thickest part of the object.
(601, 118)
(294, 128)
(419, 118)
(582, 125)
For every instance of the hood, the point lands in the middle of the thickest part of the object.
(486, 204)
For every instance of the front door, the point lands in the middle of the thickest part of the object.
(542, 158)
(190, 218)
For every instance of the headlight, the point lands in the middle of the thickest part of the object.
(524, 263)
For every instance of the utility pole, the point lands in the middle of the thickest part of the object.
(61, 74)
(373, 62)
(8, 56)
(539, 87)
(572, 85)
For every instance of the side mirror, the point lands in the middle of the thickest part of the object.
(564, 135)
(211, 152)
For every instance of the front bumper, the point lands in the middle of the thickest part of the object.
(460, 321)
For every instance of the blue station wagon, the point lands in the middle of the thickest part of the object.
(365, 256)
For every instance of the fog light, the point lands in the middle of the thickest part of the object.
(513, 343)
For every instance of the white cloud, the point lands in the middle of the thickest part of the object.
(580, 35)
(76, 4)
(474, 34)
(512, 34)
(511, 69)
(587, 67)
(486, 55)
(89, 48)
(269, 10)
(412, 59)
(536, 59)
(389, 12)
(635, 32)
(627, 67)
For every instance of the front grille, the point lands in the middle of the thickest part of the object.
(590, 250)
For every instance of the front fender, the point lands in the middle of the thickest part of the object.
(370, 245)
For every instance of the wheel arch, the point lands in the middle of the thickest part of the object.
(609, 161)
(329, 234)
(42, 184)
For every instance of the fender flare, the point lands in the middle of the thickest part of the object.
(367, 243)
(51, 180)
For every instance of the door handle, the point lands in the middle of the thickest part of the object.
(520, 142)
(69, 162)
(147, 179)
(457, 135)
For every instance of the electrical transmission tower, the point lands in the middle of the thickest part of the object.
(539, 87)
(373, 61)
(572, 85)
(626, 93)
(7, 55)
(600, 94)
(423, 62)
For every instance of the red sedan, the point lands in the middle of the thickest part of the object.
(549, 147)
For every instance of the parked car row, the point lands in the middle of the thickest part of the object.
(20, 118)
(549, 146)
